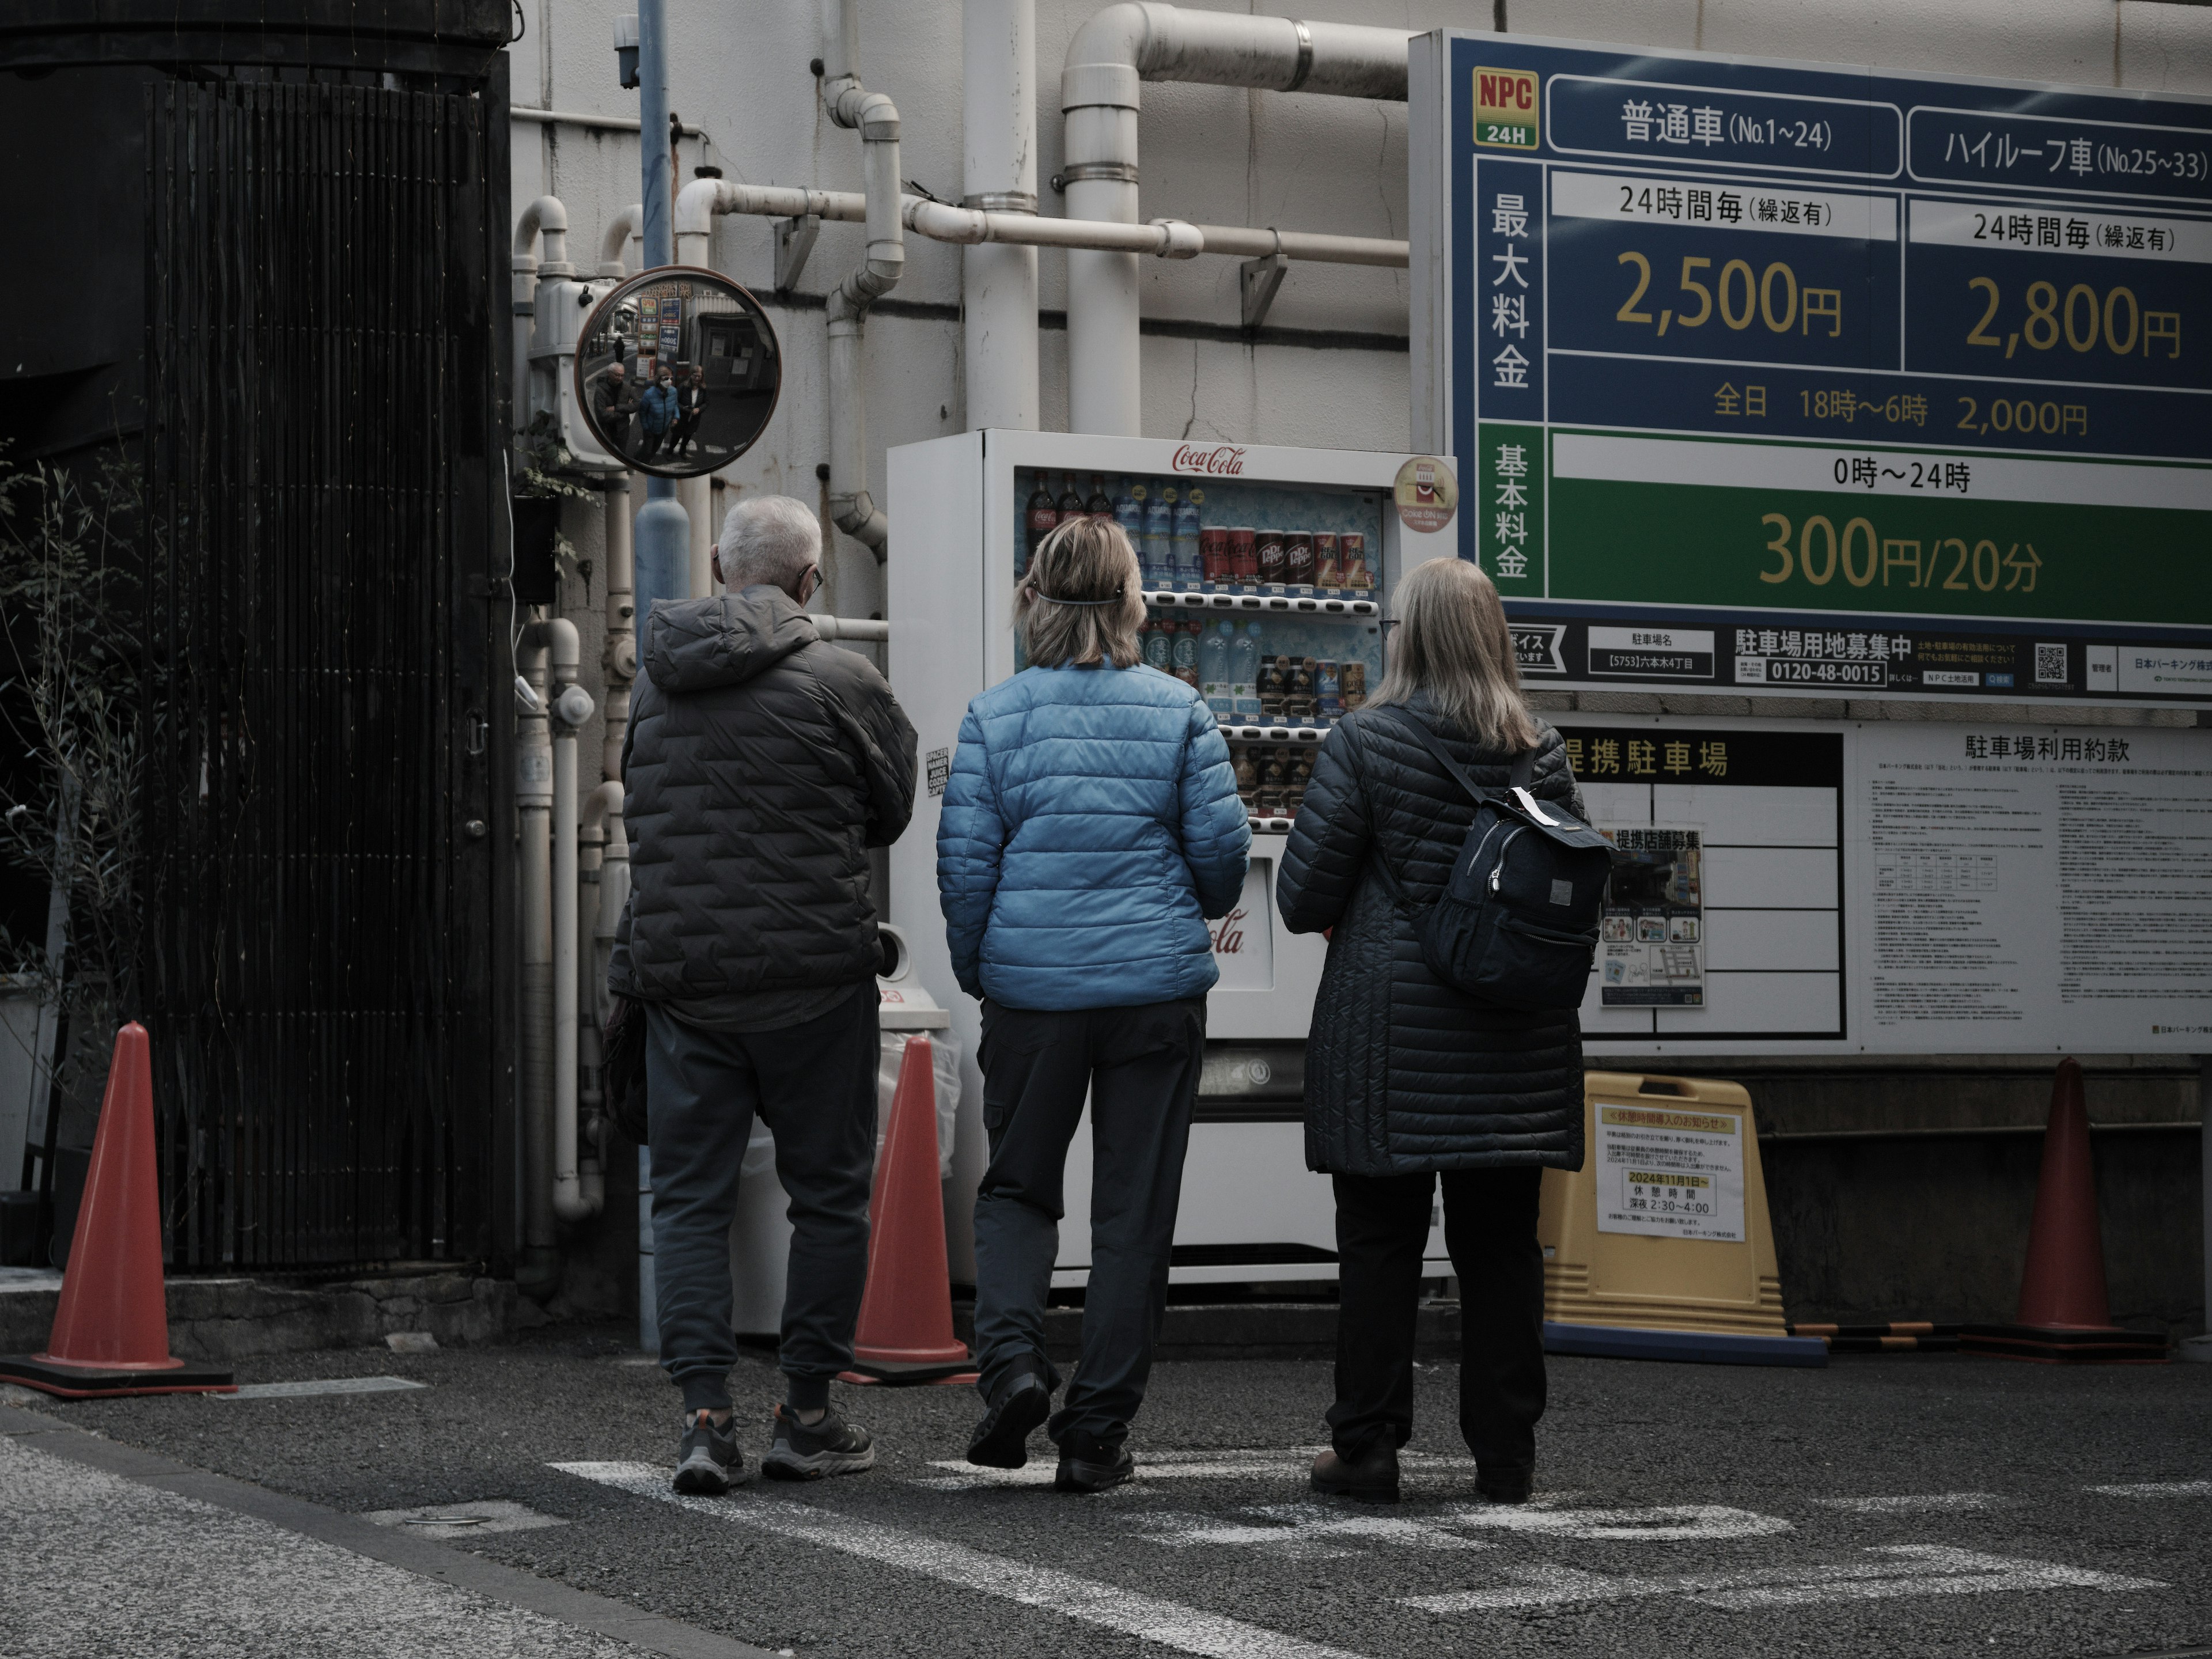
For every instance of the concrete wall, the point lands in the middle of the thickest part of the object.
(1331, 370)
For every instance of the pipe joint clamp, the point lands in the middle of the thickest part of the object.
(1119, 172)
(1305, 57)
(1002, 201)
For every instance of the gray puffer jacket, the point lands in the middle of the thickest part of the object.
(1403, 1072)
(761, 765)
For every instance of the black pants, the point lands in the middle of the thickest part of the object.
(814, 1086)
(1140, 1068)
(1490, 1228)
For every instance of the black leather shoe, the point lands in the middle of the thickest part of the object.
(1088, 1465)
(1506, 1484)
(1002, 1436)
(1372, 1478)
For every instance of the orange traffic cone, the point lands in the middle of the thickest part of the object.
(111, 1332)
(2064, 1317)
(905, 1329)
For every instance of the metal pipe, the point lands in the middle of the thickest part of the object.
(1110, 55)
(850, 628)
(999, 284)
(618, 655)
(545, 217)
(537, 1274)
(603, 875)
(697, 495)
(1165, 239)
(614, 242)
(570, 706)
(565, 117)
(876, 119)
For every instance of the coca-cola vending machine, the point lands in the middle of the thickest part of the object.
(1268, 573)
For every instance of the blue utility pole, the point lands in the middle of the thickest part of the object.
(664, 529)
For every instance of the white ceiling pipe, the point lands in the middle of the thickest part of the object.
(1109, 55)
(850, 628)
(699, 202)
(999, 283)
(622, 230)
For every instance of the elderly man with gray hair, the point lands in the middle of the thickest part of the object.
(761, 765)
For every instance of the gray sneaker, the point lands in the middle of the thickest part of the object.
(807, 1452)
(708, 1462)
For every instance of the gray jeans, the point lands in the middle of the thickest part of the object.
(1140, 1069)
(814, 1086)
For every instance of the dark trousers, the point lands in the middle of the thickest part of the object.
(814, 1086)
(1490, 1228)
(1140, 1068)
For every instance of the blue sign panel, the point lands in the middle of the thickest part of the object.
(1746, 347)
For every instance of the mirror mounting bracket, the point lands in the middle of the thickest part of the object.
(794, 240)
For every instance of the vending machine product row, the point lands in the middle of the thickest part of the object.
(1268, 573)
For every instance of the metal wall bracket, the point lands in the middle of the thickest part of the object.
(794, 240)
(1258, 279)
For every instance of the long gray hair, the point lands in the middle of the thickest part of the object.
(1082, 599)
(1451, 641)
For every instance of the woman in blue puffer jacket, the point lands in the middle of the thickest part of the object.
(1090, 827)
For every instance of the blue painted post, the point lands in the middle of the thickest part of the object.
(664, 529)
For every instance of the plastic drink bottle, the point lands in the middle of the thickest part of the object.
(1189, 566)
(1100, 505)
(1039, 517)
(1159, 646)
(1129, 513)
(1184, 640)
(1213, 669)
(1158, 549)
(1245, 672)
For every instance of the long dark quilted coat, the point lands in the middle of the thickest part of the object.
(761, 765)
(1403, 1073)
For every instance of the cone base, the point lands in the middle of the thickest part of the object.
(69, 1382)
(2059, 1345)
(867, 1372)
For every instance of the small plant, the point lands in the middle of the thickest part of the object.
(71, 692)
(545, 471)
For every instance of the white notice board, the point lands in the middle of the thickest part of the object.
(1899, 887)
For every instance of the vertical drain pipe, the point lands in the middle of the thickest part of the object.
(998, 280)
(852, 104)
(537, 1274)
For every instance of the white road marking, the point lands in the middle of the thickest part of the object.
(1293, 1463)
(1913, 1570)
(321, 1385)
(2156, 1489)
(1929, 1503)
(1302, 1531)
(1188, 1630)
(1662, 1522)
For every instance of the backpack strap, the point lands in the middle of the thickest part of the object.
(1523, 764)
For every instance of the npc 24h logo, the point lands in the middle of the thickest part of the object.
(1505, 108)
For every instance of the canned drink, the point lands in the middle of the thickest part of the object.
(1328, 690)
(1298, 557)
(1328, 565)
(1267, 546)
(1268, 802)
(1244, 554)
(1351, 680)
(1213, 555)
(1352, 555)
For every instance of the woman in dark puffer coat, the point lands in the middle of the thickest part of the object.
(1408, 1077)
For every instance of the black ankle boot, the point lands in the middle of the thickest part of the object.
(1371, 1478)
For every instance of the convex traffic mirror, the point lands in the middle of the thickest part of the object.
(677, 372)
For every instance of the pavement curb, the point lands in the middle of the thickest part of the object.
(602, 1615)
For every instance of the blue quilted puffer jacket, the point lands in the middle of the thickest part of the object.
(1091, 826)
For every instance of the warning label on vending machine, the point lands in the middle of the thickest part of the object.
(1652, 947)
(1667, 1172)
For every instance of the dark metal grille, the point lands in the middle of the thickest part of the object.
(318, 980)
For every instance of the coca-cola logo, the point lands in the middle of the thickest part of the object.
(1228, 937)
(1223, 460)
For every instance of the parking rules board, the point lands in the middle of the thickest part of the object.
(1818, 381)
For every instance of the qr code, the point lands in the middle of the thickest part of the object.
(2051, 665)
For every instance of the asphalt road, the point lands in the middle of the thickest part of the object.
(1909, 1505)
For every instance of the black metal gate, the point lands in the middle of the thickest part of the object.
(320, 455)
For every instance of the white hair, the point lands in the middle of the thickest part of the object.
(768, 538)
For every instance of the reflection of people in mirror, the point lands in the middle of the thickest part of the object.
(656, 413)
(612, 406)
(690, 405)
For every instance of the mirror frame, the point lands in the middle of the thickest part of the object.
(629, 286)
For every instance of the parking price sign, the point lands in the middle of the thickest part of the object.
(1816, 379)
